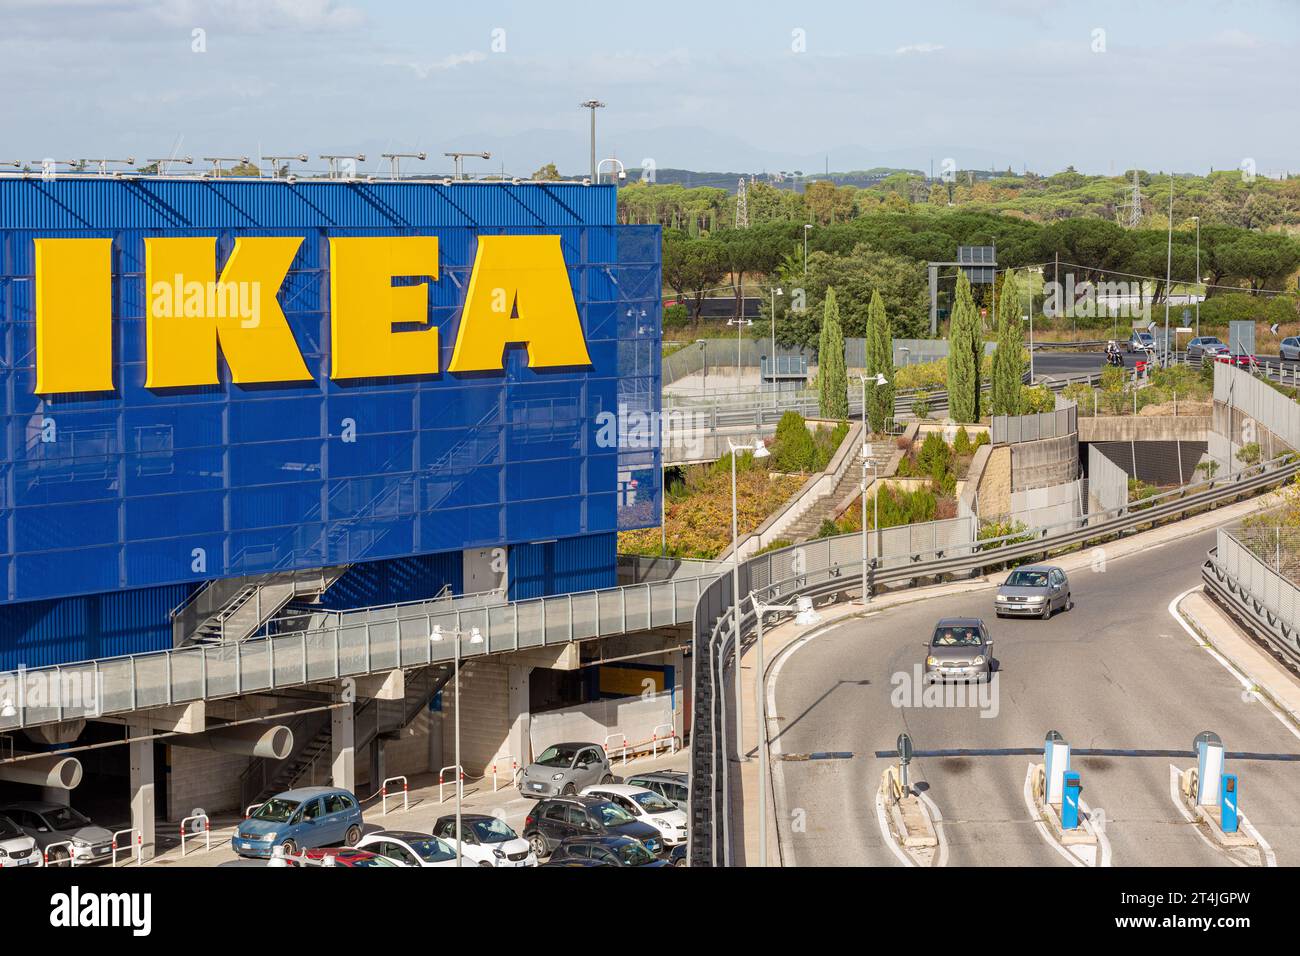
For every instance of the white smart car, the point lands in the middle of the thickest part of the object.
(486, 840)
(647, 806)
(16, 847)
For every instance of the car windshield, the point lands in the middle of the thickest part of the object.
(8, 829)
(1027, 579)
(371, 861)
(1145, 337)
(1210, 342)
(432, 850)
(557, 756)
(961, 636)
(65, 818)
(492, 831)
(634, 854)
(652, 802)
(276, 810)
(610, 814)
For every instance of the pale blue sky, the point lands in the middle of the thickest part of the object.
(1184, 84)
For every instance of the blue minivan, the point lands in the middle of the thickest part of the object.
(300, 820)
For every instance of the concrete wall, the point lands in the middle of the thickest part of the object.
(1144, 428)
(995, 483)
(1042, 464)
(485, 719)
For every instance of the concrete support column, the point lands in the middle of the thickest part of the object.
(517, 711)
(142, 791)
(343, 758)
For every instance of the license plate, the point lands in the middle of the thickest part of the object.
(100, 850)
(536, 786)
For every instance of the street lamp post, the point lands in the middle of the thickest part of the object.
(593, 105)
(760, 708)
(740, 324)
(475, 637)
(760, 452)
(1198, 274)
(868, 461)
(776, 290)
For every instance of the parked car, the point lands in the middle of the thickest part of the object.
(564, 769)
(678, 856)
(344, 856)
(1205, 346)
(1141, 342)
(553, 821)
(647, 806)
(603, 851)
(16, 847)
(1035, 592)
(49, 824)
(300, 819)
(408, 848)
(1242, 360)
(1289, 350)
(673, 785)
(960, 649)
(486, 840)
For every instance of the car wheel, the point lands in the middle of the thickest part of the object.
(569, 790)
(353, 836)
(1047, 611)
(58, 856)
(289, 847)
(608, 778)
(537, 845)
(485, 863)
(1069, 602)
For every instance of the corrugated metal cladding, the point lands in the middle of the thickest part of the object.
(40, 633)
(128, 486)
(394, 582)
(559, 567)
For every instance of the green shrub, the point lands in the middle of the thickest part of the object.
(921, 405)
(961, 445)
(935, 457)
(676, 317)
(793, 448)
(1249, 453)
(1035, 399)
(1081, 395)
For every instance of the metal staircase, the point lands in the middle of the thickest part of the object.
(374, 719)
(234, 609)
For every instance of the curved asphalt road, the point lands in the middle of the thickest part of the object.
(1116, 673)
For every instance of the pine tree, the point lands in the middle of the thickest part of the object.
(880, 360)
(1008, 365)
(832, 373)
(965, 348)
(828, 305)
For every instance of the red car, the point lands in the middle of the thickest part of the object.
(1240, 361)
(341, 856)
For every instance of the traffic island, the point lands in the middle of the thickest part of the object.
(1084, 844)
(907, 822)
(1240, 844)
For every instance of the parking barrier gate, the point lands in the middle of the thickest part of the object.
(137, 840)
(383, 792)
(460, 781)
(207, 830)
(514, 768)
(70, 859)
(610, 737)
(671, 737)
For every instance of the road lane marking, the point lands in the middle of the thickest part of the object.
(1231, 668)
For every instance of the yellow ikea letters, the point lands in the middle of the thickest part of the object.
(518, 294)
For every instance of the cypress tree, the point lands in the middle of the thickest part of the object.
(1007, 358)
(880, 360)
(965, 346)
(832, 373)
(828, 305)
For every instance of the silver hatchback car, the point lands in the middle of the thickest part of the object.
(960, 650)
(564, 769)
(1034, 592)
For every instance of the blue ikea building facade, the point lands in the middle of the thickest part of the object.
(116, 506)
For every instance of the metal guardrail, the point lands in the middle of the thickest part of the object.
(1240, 594)
(833, 566)
(343, 649)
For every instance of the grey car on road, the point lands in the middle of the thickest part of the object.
(564, 769)
(961, 649)
(1033, 592)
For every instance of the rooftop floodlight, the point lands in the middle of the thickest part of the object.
(760, 449)
(458, 158)
(217, 162)
(277, 161)
(395, 162)
(336, 161)
(162, 164)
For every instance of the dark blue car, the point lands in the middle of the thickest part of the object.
(300, 820)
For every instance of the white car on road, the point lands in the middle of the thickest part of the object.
(647, 806)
